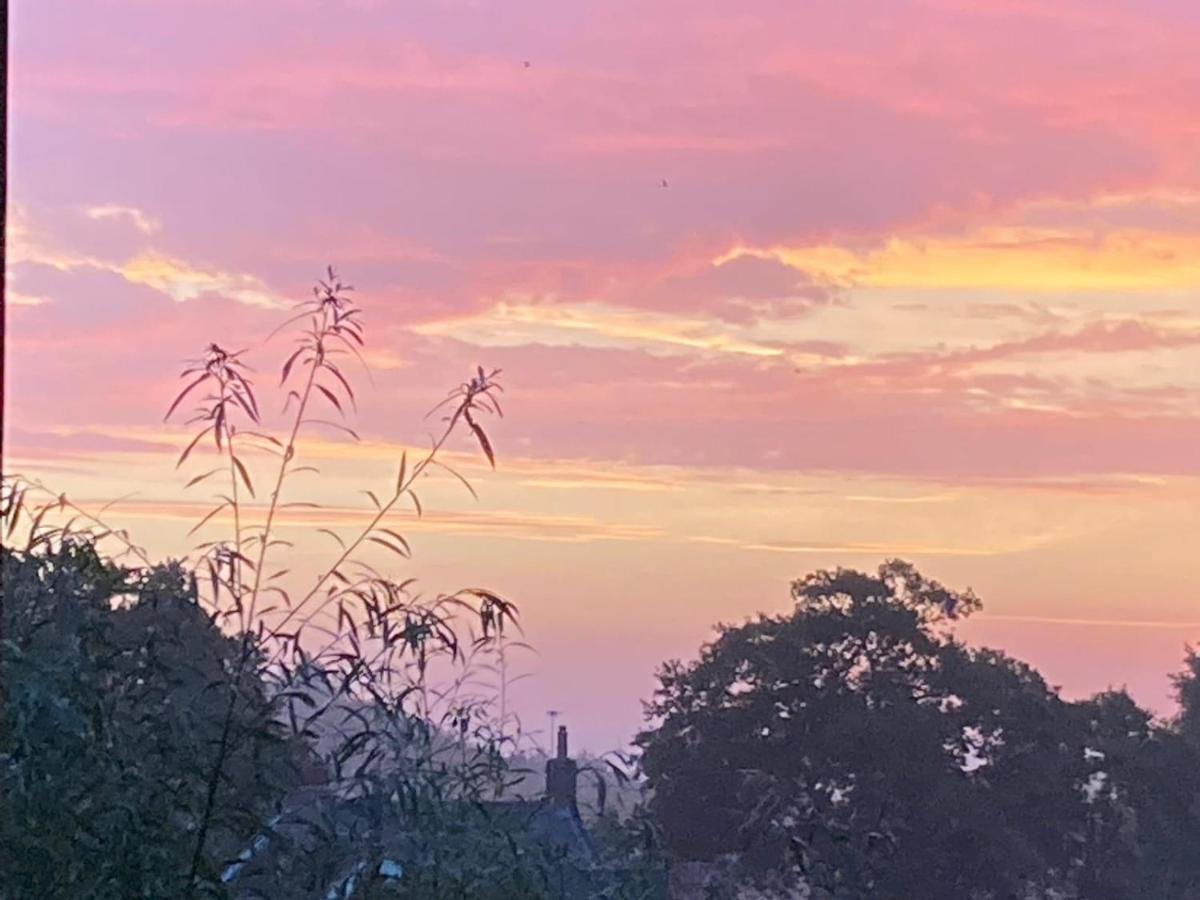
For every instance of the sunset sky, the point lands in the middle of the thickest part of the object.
(921, 282)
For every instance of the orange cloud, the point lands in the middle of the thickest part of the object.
(182, 281)
(176, 278)
(1006, 258)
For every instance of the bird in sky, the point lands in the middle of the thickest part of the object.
(527, 64)
(663, 183)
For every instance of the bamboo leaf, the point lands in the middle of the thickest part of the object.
(484, 443)
(345, 384)
(331, 397)
(291, 361)
(187, 390)
(334, 535)
(211, 513)
(396, 537)
(348, 431)
(192, 446)
(245, 475)
(464, 481)
(200, 478)
(390, 546)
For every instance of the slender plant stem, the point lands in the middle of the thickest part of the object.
(235, 575)
(236, 569)
(289, 453)
(247, 646)
(503, 683)
(379, 516)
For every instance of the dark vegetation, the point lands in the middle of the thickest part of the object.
(854, 746)
(171, 727)
(201, 728)
(111, 724)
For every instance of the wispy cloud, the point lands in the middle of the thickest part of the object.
(177, 278)
(140, 220)
(18, 298)
(594, 325)
(1075, 622)
(489, 523)
(890, 549)
(182, 281)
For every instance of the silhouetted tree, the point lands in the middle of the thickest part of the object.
(854, 745)
(111, 723)
(1187, 692)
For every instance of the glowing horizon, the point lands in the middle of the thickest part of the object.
(773, 289)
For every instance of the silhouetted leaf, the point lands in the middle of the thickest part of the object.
(245, 475)
(334, 535)
(187, 390)
(484, 443)
(330, 396)
(191, 446)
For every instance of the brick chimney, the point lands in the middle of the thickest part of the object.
(561, 772)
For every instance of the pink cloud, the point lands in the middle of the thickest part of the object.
(1099, 337)
(410, 145)
(402, 114)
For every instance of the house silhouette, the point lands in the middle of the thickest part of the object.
(330, 840)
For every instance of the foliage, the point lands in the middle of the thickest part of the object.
(113, 710)
(630, 846)
(381, 700)
(856, 747)
(240, 722)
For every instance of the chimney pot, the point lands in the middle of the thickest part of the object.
(561, 774)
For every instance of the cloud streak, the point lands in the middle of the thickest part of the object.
(921, 278)
(138, 219)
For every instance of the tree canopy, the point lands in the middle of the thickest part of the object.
(856, 746)
(113, 716)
